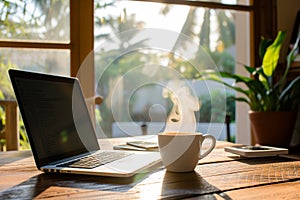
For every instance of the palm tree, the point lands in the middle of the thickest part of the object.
(226, 34)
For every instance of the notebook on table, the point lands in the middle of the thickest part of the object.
(60, 130)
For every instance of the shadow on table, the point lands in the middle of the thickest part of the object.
(36, 185)
(12, 156)
(188, 185)
(265, 160)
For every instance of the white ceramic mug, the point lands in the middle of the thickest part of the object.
(180, 152)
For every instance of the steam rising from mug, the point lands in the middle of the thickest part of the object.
(182, 116)
(125, 72)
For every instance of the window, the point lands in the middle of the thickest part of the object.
(43, 36)
(219, 28)
(56, 36)
(27, 30)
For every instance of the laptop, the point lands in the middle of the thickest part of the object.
(60, 131)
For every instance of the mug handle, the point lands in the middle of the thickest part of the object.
(213, 140)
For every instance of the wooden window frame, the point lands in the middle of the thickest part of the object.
(82, 40)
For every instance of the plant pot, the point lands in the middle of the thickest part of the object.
(273, 128)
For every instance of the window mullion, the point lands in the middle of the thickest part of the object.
(39, 45)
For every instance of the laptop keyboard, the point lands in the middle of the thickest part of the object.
(95, 160)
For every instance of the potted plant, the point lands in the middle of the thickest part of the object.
(273, 104)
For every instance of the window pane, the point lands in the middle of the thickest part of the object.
(47, 61)
(212, 29)
(42, 21)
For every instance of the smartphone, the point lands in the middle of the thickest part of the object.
(256, 151)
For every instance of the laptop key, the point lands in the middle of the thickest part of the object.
(95, 160)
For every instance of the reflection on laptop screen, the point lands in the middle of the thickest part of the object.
(47, 106)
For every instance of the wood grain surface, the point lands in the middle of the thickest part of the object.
(219, 176)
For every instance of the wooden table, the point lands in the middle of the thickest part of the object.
(221, 175)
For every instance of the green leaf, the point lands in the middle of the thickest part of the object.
(290, 58)
(271, 56)
(210, 75)
(263, 80)
(241, 99)
(289, 88)
(238, 78)
(259, 73)
(252, 84)
(249, 69)
(1, 95)
(263, 45)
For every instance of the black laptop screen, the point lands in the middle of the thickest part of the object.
(54, 129)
